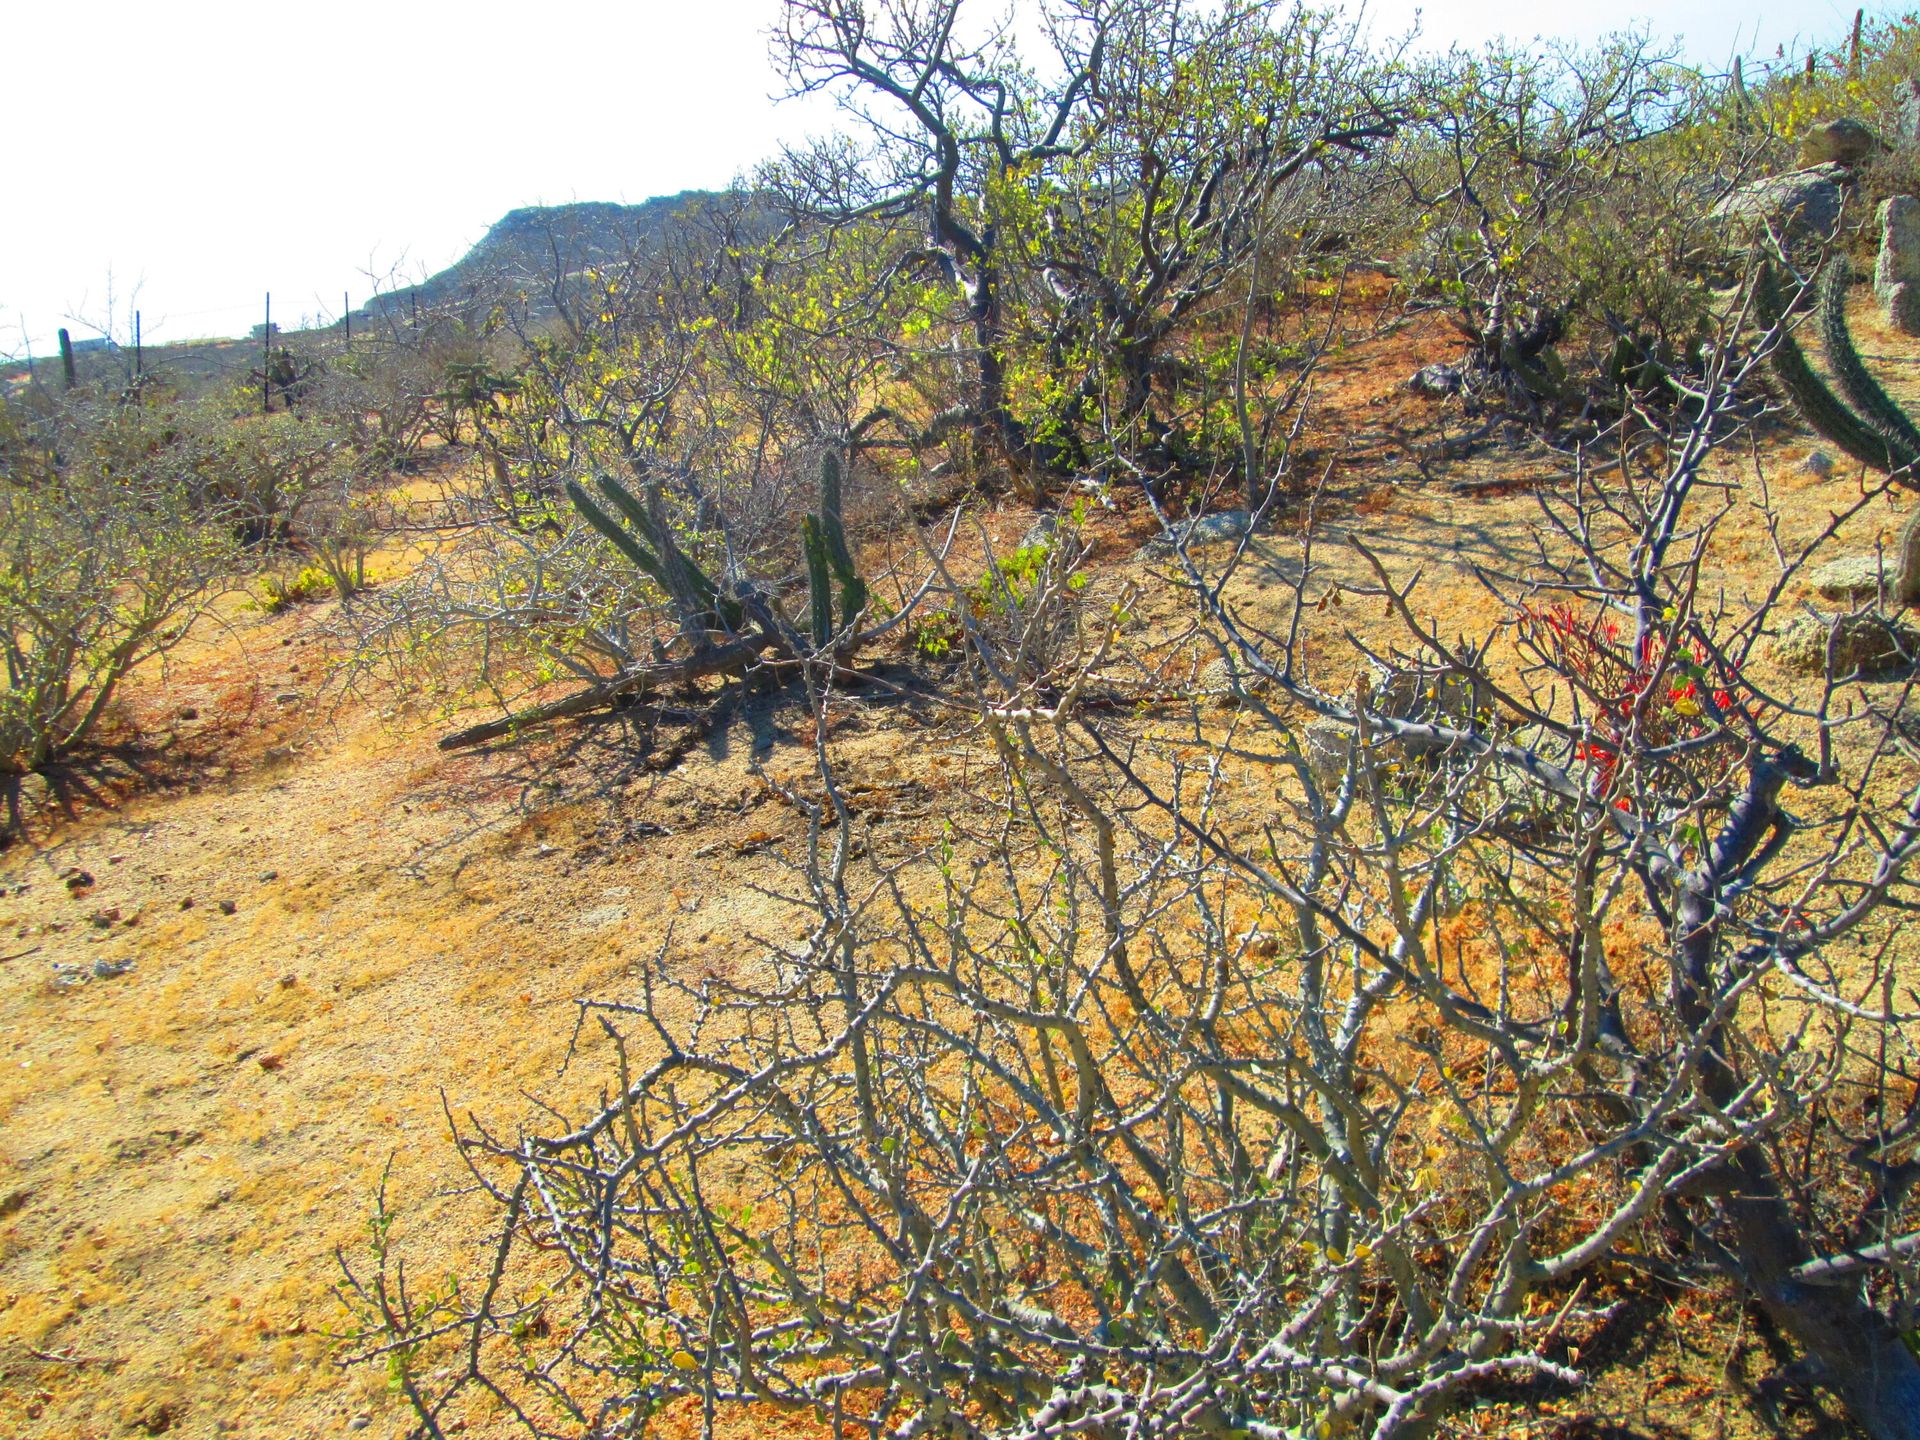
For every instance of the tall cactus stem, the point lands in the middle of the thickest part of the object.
(819, 586)
(853, 590)
(1823, 411)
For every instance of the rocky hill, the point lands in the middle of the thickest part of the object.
(525, 247)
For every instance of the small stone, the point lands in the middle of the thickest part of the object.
(359, 1422)
(105, 919)
(267, 876)
(287, 982)
(187, 712)
(288, 697)
(77, 879)
(187, 903)
(108, 969)
(1436, 380)
(227, 907)
(1818, 463)
(1217, 680)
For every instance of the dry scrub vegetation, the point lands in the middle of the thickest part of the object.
(940, 805)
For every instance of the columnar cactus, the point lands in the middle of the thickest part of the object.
(636, 534)
(655, 551)
(1861, 419)
(827, 530)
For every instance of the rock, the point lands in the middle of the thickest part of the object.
(1047, 531)
(1901, 117)
(1818, 464)
(359, 1422)
(1862, 645)
(227, 907)
(1854, 578)
(1221, 528)
(1041, 532)
(1800, 208)
(1837, 142)
(288, 697)
(1436, 380)
(1896, 272)
(77, 879)
(108, 969)
(1328, 746)
(1430, 693)
(1217, 680)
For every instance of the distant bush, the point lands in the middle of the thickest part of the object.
(107, 554)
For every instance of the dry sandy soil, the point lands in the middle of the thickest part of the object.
(330, 926)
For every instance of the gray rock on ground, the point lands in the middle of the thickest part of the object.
(1434, 695)
(1217, 681)
(1436, 380)
(1222, 528)
(1853, 579)
(1902, 116)
(1862, 645)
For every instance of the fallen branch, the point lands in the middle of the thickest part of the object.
(721, 659)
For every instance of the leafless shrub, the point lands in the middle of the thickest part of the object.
(1141, 1106)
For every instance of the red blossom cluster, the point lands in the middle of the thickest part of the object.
(1612, 678)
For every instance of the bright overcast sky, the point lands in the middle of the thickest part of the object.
(208, 152)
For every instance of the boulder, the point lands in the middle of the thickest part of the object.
(1861, 645)
(1432, 694)
(1819, 464)
(1799, 209)
(1902, 114)
(1896, 273)
(1837, 142)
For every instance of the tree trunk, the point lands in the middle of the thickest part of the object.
(1862, 1357)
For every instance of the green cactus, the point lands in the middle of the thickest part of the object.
(819, 587)
(1862, 419)
(1866, 423)
(654, 550)
(66, 359)
(853, 590)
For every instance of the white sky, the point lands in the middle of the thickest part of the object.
(206, 152)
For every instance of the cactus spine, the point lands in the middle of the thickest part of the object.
(1862, 419)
